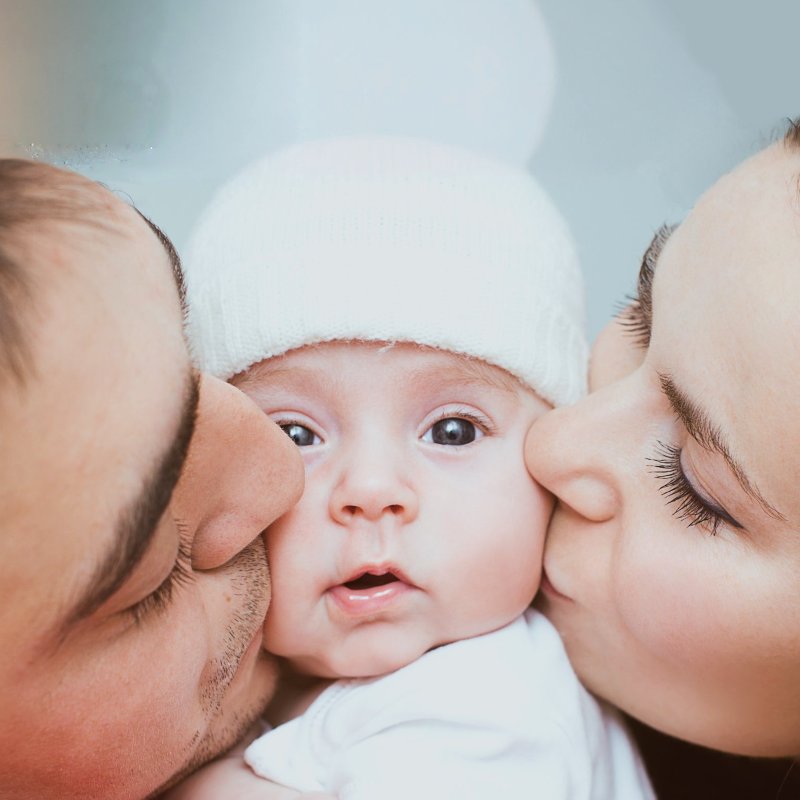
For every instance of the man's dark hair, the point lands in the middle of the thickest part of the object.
(33, 196)
(20, 205)
(13, 284)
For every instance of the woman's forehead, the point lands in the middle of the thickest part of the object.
(740, 245)
(726, 329)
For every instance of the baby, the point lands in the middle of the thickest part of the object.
(405, 311)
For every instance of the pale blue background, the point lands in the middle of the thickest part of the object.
(626, 110)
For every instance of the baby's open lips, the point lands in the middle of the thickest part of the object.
(369, 577)
(369, 590)
(369, 580)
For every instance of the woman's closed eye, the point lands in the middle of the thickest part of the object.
(688, 504)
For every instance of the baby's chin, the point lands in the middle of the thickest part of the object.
(375, 661)
(373, 652)
(368, 662)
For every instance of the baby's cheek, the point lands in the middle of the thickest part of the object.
(533, 550)
(542, 503)
(529, 512)
(513, 566)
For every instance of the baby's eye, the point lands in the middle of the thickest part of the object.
(452, 431)
(300, 435)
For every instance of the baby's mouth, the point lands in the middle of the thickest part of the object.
(368, 580)
(372, 590)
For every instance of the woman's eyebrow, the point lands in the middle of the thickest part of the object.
(700, 427)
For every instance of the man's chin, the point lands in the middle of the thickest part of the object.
(230, 727)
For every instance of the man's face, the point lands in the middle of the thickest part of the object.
(130, 616)
(419, 524)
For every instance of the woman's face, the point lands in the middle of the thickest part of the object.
(673, 558)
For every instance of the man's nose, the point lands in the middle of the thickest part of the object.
(373, 481)
(241, 474)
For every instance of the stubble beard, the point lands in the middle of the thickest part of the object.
(250, 574)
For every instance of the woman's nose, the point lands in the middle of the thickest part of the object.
(578, 454)
(372, 484)
(241, 474)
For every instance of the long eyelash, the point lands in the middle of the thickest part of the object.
(180, 575)
(688, 505)
(637, 315)
(633, 319)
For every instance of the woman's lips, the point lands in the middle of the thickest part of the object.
(549, 590)
(369, 591)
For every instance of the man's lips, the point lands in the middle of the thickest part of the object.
(370, 589)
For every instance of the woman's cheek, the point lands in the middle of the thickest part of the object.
(614, 355)
(667, 603)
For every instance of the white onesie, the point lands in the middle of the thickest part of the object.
(497, 716)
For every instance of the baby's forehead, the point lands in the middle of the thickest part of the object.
(416, 363)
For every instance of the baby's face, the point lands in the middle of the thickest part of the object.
(419, 524)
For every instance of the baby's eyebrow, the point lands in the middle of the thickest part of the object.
(278, 374)
(467, 371)
(459, 370)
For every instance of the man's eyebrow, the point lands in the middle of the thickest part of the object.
(172, 254)
(137, 523)
(710, 437)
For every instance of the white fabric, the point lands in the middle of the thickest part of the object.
(498, 716)
(388, 239)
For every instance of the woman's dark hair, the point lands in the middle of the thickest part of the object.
(792, 135)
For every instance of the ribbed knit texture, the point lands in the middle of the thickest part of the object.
(388, 239)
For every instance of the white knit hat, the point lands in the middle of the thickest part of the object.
(388, 239)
